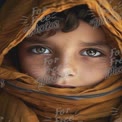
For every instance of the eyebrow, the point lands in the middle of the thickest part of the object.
(35, 40)
(99, 43)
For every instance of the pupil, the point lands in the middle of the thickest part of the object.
(91, 52)
(40, 49)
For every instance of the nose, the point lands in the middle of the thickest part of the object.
(66, 68)
(66, 71)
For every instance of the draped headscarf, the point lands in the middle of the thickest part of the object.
(23, 100)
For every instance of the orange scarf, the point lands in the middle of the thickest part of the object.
(81, 103)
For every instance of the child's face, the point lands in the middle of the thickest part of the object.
(77, 58)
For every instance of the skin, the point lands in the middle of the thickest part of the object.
(77, 58)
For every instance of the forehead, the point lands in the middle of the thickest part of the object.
(84, 33)
(85, 30)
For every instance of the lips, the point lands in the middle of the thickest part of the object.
(61, 86)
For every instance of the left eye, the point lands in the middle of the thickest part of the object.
(91, 53)
(40, 50)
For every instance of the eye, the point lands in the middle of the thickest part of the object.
(40, 50)
(91, 52)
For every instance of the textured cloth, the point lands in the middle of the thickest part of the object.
(22, 100)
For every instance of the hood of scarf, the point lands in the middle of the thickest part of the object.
(81, 103)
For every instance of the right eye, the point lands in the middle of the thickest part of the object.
(40, 50)
(91, 52)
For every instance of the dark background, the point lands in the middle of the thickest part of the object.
(2, 2)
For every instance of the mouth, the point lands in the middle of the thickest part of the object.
(61, 86)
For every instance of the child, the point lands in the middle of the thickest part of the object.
(63, 73)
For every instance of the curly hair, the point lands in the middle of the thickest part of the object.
(68, 20)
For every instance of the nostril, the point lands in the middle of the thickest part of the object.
(65, 74)
(70, 74)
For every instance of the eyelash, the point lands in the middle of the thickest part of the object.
(86, 51)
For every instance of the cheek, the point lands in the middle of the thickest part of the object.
(33, 65)
(94, 69)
